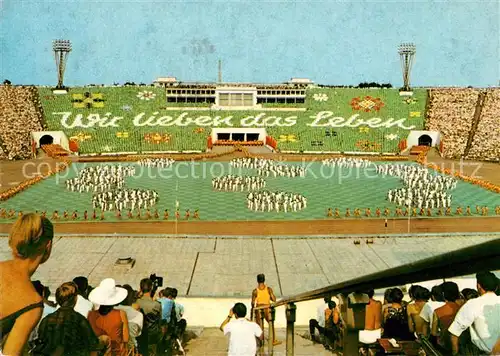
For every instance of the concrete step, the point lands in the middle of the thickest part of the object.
(211, 341)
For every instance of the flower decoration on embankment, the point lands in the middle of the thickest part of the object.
(146, 95)
(320, 97)
(367, 104)
(287, 138)
(157, 138)
(368, 146)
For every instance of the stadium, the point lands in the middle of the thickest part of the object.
(327, 189)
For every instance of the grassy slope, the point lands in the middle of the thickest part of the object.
(297, 137)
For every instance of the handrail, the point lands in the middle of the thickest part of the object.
(428, 347)
(477, 258)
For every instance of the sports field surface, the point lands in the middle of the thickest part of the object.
(189, 184)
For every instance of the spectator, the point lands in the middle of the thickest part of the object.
(373, 321)
(167, 303)
(331, 331)
(83, 305)
(486, 142)
(427, 312)
(421, 296)
(83, 286)
(107, 320)
(411, 292)
(44, 292)
(469, 293)
(172, 312)
(387, 300)
(263, 296)
(66, 332)
(481, 315)
(451, 112)
(396, 318)
(444, 316)
(179, 313)
(134, 317)
(20, 305)
(242, 333)
(21, 115)
(152, 312)
(320, 318)
(48, 306)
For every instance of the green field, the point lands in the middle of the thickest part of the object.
(190, 184)
(362, 120)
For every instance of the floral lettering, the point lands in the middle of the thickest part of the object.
(321, 119)
(218, 121)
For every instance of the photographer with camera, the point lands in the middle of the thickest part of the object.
(152, 311)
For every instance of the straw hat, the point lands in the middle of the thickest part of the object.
(107, 293)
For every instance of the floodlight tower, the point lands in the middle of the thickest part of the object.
(61, 52)
(407, 55)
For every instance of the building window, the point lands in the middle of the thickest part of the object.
(235, 99)
(223, 136)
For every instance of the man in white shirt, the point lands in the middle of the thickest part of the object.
(83, 305)
(437, 301)
(481, 315)
(242, 332)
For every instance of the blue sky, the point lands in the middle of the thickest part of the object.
(330, 42)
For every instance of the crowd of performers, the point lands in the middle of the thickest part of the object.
(100, 178)
(421, 189)
(232, 183)
(407, 212)
(267, 167)
(156, 162)
(276, 201)
(125, 199)
(347, 162)
(95, 214)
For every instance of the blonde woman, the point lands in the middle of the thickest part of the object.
(20, 305)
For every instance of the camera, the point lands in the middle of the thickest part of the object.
(157, 281)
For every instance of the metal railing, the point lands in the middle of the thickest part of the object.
(469, 260)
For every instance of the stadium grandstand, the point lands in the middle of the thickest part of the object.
(238, 218)
(290, 118)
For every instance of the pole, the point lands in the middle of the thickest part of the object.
(409, 217)
(291, 309)
(270, 341)
(262, 342)
(176, 204)
(60, 69)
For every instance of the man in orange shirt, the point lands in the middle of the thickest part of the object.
(263, 296)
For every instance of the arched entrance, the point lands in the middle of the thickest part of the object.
(46, 140)
(425, 140)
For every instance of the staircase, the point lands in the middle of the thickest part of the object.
(475, 122)
(55, 151)
(211, 341)
(416, 150)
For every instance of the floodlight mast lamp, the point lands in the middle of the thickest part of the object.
(407, 55)
(61, 51)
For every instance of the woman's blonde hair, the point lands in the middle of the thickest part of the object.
(29, 235)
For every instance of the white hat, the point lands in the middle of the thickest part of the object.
(108, 293)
